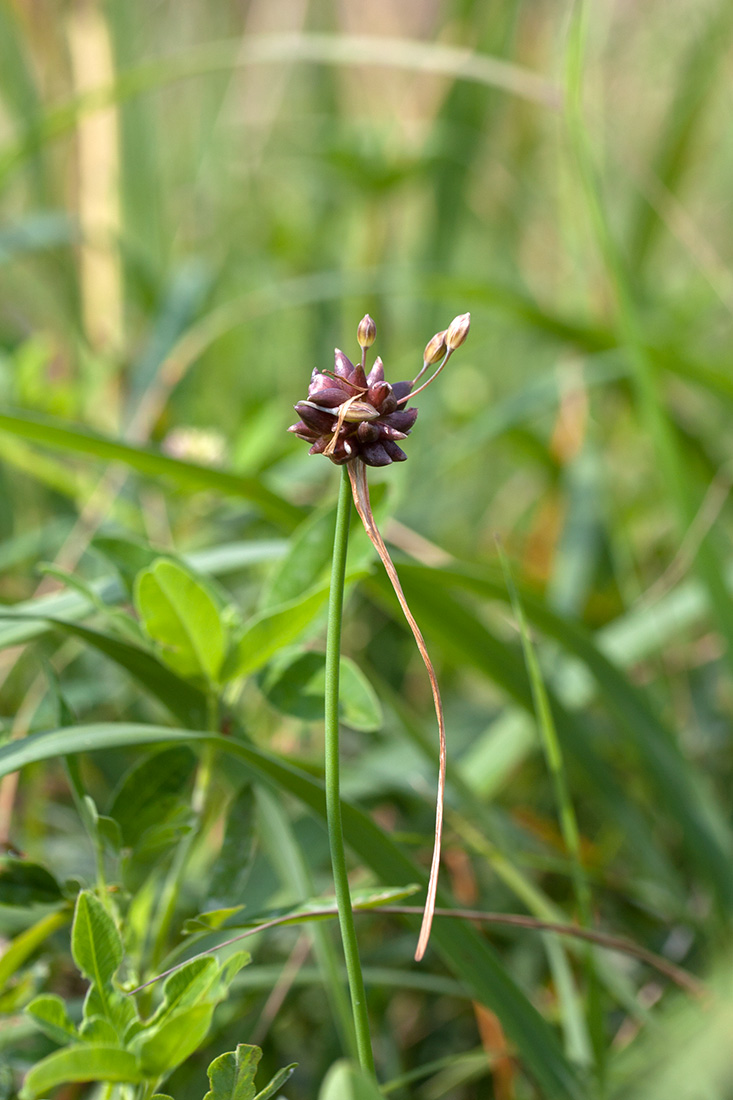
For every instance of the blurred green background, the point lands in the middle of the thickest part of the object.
(200, 200)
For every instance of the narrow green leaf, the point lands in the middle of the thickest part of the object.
(128, 555)
(95, 944)
(212, 920)
(23, 883)
(306, 563)
(50, 1014)
(183, 700)
(165, 1046)
(58, 435)
(29, 941)
(273, 1087)
(81, 1063)
(181, 617)
(232, 1075)
(679, 789)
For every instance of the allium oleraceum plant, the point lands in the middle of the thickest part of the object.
(358, 420)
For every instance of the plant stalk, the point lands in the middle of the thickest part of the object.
(332, 778)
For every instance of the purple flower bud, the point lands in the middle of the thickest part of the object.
(401, 389)
(368, 433)
(342, 366)
(315, 418)
(403, 419)
(330, 398)
(323, 382)
(395, 453)
(376, 374)
(375, 454)
(304, 432)
(378, 393)
(387, 432)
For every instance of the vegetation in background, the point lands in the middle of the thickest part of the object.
(199, 200)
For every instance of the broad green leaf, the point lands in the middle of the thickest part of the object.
(164, 1047)
(186, 987)
(182, 619)
(294, 683)
(50, 1014)
(23, 883)
(81, 1063)
(229, 970)
(232, 1075)
(346, 1081)
(109, 1003)
(99, 1031)
(151, 792)
(265, 634)
(464, 950)
(95, 945)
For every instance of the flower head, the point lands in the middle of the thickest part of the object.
(352, 415)
(349, 414)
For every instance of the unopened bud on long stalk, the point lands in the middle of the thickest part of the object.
(366, 333)
(457, 331)
(435, 349)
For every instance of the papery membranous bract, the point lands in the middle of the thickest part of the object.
(356, 419)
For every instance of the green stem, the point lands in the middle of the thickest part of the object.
(332, 776)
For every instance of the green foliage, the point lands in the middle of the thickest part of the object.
(346, 1081)
(265, 634)
(232, 1076)
(294, 683)
(182, 619)
(114, 1043)
(23, 883)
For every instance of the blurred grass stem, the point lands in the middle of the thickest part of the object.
(332, 777)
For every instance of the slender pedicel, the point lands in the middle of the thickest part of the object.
(355, 419)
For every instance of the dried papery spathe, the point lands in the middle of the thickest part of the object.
(356, 419)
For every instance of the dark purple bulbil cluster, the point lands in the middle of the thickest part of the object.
(352, 415)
